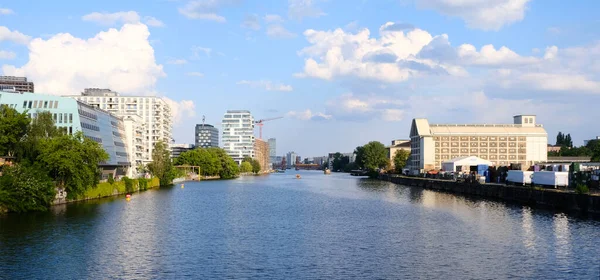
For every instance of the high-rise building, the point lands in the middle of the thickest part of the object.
(154, 115)
(71, 116)
(272, 150)
(18, 84)
(523, 142)
(261, 154)
(291, 159)
(178, 149)
(206, 136)
(238, 134)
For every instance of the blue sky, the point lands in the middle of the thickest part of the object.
(342, 73)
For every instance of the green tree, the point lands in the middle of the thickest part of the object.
(255, 166)
(41, 127)
(161, 166)
(593, 147)
(26, 188)
(246, 167)
(359, 152)
(560, 139)
(72, 160)
(374, 157)
(13, 126)
(568, 141)
(400, 158)
(228, 168)
(247, 159)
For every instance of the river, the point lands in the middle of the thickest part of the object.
(279, 227)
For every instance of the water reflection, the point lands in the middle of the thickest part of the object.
(562, 243)
(529, 235)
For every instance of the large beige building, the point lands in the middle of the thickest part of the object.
(261, 154)
(397, 145)
(523, 142)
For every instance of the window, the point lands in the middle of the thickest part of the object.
(70, 118)
(29, 104)
(24, 104)
(35, 104)
(70, 130)
(60, 118)
(54, 117)
(45, 104)
(55, 104)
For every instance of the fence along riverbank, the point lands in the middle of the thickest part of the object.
(550, 198)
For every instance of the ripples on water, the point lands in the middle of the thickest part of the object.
(277, 226)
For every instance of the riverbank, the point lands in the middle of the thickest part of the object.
(107, 190)
(550, 198)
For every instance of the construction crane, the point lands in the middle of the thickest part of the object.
(260, 124)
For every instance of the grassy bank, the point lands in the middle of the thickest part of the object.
(107, 189)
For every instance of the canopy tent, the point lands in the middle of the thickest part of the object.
(464, 161)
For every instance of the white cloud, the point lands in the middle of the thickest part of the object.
(365, 107)
(5, 11)
(176, 61)
(308, 115)
(267, 85)
(120, 59)
(273, 18)
(299, 9)
(251, 22)
(13, 36)
(152, 21)
(112, 18)
(7, 55)
(196, 51)
(554, 30)
(278, 31)
(195, 74)
(205, 9)
(338, 53)
(392, 115)
(480, 14)
(181, 110)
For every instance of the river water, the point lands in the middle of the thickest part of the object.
(279, 227)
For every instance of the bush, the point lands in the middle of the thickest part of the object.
(128, 184)
(111, 179)
(143, 184)
(26, 188)
(582, 189)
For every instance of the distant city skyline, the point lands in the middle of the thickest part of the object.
(342, 73)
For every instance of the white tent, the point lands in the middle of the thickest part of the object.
(464, 161)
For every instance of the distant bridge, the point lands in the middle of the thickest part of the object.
(308, 166)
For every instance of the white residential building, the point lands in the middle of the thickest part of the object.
(238, 134)
(523, 142)
(147, 119)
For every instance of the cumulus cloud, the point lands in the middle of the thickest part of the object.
(339, 53)
(195, 74)
(7, 55)
(13, 36)
(251, 22)
(270, 18)
(205, 9)
(278, 31)
(480, 14)
(299, 9)
(366, 107)
(266, 85)
(112, 18)
(5, 11)
(181, 110)
(197, 51)
(308, 115)
(120, 59)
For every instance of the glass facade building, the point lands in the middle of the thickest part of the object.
(207, 136)
(72, 116)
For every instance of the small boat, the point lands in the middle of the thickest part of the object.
(297, 176)
(281, 171)
(327, 171)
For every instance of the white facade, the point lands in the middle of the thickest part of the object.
(134, 131)
(238, 134)
(150, 118)
(523, 142)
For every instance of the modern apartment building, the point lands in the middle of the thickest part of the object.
(238, 134)
(261, 154)
(152, 114)
(18, 84)
(71, 116)
(523, 142)
(178, 149)
(207, 136)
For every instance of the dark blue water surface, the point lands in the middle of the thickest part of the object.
(279, 227)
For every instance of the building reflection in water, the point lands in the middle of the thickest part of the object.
(562, 240)
(528, 230)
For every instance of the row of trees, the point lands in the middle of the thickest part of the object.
(45, 157)
(592, 149)
(372, 157)
(211, 161)
(250, 165)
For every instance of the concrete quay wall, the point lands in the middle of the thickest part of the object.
(551, 198)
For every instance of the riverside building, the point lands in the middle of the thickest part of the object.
(261, 154)
(207, 136)
(149, 116)
(18, 84)
(238, 134)
(71, 116)
(523, 142)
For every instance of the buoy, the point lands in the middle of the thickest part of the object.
(128, 196)
(128, 199)
(182, 186)
(297, 176)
